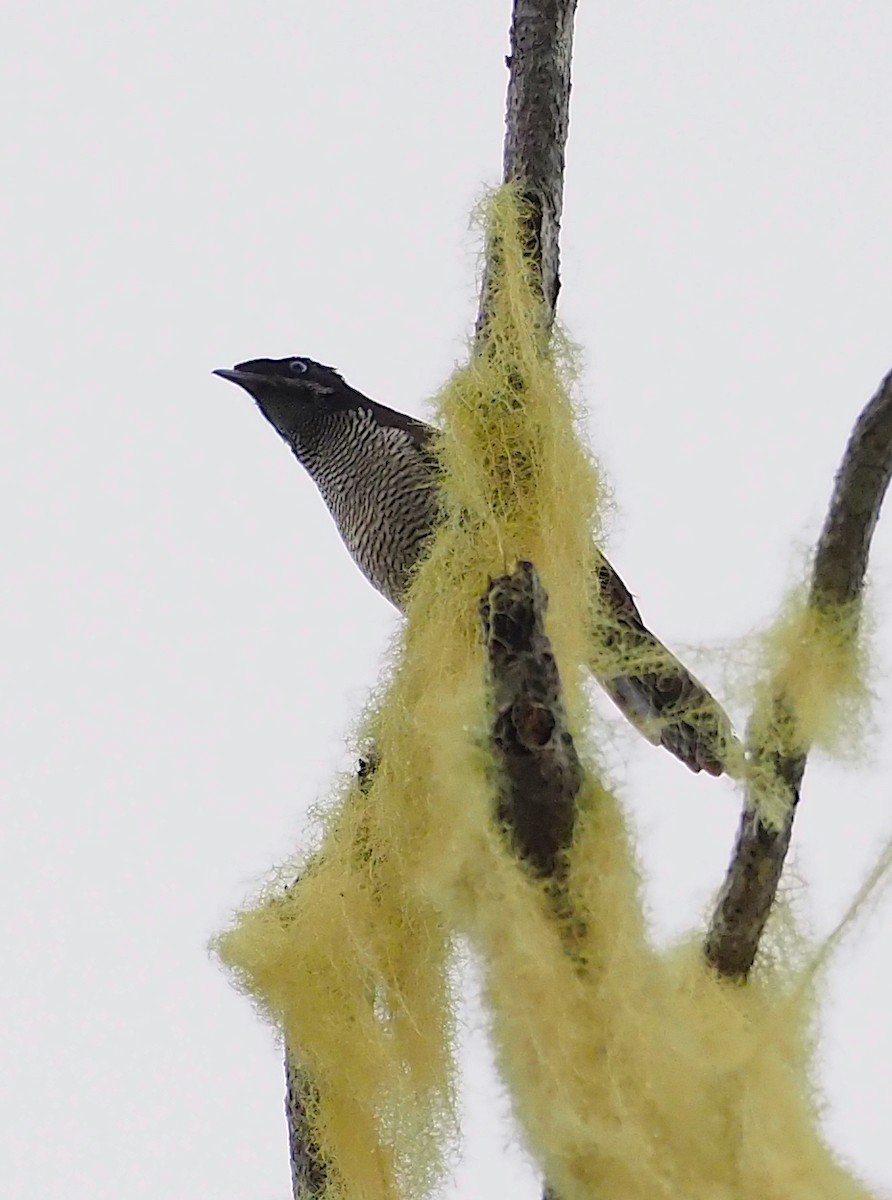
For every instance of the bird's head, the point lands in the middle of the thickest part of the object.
(290, 392)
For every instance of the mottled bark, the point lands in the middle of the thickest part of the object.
(538, 811)
(777, 759)
(308, 1174)
(538, 769)
(537, 120)
(541, 815)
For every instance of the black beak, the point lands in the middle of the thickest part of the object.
(233, 376)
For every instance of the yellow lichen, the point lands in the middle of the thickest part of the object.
(634, 1074)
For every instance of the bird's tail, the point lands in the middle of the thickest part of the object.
(654, 691)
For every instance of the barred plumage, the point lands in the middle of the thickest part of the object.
(374, 468)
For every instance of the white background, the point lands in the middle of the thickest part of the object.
(184, 639)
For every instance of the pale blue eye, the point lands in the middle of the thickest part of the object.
(298, 366)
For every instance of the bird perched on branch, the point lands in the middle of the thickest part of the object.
(379, 477)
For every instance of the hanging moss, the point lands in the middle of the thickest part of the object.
(634, 1074)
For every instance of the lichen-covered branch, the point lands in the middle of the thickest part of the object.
(861, 483)
(752, 879)
(539, 770)
(541, 775)
(308, 1174)
(537, 120)
(777, 758)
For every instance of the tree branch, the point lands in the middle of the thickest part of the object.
(861, 483)
(538, 812)
(308, 1174)
(529, 727)
(776, 759)
(537, 122)
(309, 1177)
(540, 772)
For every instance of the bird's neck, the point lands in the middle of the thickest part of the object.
(313, 441)
(324, 446)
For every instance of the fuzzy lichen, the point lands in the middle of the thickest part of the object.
(634, 1074)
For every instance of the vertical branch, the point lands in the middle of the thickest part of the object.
(309, 1177)
(539, 805)
(537, 121)
(540, 773)
(308, 1174)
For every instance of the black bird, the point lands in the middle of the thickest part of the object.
(377, 474)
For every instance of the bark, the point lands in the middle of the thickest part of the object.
(776, 760)
(539, 813)
(539, 770)
(537, 122)
(859, 488)
(540, 818)
(308, 1173)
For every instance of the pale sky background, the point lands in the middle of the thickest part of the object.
(185, 641)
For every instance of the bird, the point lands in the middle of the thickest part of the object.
(379, 476)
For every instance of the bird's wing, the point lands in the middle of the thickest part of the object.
(655, 692)
(420, 434)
